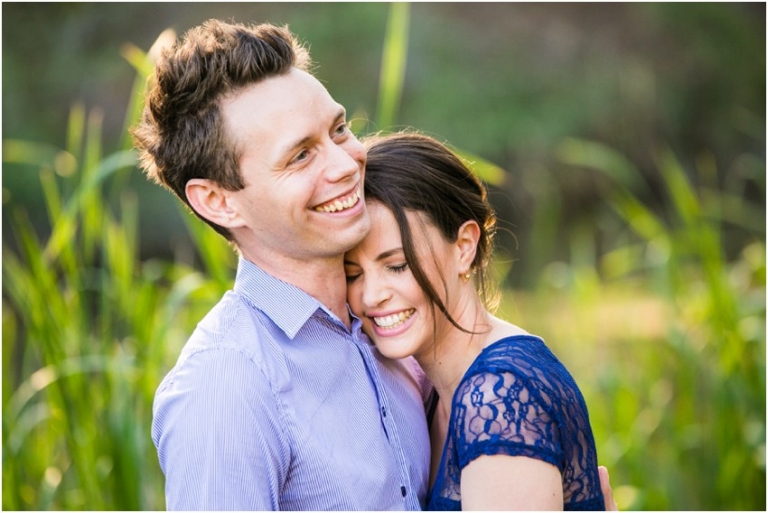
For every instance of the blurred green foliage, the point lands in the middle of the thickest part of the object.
(634, 142)
(506, 81)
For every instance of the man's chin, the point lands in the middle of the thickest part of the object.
(358, 232)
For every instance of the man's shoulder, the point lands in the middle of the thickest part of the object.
(233, 323)
(230, 314)
(233, 330)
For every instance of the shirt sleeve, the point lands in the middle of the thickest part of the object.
(506, 413)
(219, 433)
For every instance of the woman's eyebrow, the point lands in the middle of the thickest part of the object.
(389, 253)
(382, 256)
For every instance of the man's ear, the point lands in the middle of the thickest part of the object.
(466, 244)
(212, 202)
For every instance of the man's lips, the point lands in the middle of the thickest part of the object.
(341, 203)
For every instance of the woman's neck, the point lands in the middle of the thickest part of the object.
(446, 362)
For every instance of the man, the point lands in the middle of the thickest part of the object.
(278, 400)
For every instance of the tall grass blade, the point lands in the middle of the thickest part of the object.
(486, 170)
(393, 64)
(598, 156)
(75, 131)
(64, 230)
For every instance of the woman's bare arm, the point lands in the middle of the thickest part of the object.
(501, 482)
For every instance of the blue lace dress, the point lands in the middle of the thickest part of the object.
(518, 399)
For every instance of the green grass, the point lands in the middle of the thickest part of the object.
(89, 329)
(664, 334)
(667, 340)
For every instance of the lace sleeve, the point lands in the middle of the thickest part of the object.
(506, 413)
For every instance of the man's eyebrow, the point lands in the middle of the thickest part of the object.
(340, 114)
(290, 147)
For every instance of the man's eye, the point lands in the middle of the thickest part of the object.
(342, 128)
(302, 155)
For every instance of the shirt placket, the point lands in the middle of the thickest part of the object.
(409, 495)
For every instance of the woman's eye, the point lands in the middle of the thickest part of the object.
(398, 268)
(352, 277)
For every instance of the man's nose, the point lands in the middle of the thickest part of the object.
(344, 161)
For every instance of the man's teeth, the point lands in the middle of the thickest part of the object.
(339, 205)
(394, 320)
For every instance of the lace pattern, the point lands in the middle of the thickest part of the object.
(518, 399)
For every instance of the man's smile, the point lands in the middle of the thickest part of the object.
(341, 203)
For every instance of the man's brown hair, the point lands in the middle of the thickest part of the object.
(182, 133)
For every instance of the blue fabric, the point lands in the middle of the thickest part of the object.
(517, 399)
(275, 404)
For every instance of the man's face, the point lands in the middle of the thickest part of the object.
(303, 171)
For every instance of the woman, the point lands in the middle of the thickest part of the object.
(508, 424)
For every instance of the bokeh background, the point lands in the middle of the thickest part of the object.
(624, 147)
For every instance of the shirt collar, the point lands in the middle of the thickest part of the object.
(288, 306)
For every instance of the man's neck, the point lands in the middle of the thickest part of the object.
(323, 279)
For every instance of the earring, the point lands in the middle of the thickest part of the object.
(467, 276)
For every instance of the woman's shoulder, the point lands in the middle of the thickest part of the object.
(507, 342)
(520, 358)
(514, 352)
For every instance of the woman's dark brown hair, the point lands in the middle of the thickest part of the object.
(182, 134)
(412, 172)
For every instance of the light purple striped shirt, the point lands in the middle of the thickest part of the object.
(275, 404)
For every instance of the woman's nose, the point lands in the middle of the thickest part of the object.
(374, 293)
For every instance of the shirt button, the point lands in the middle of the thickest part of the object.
(383, 411)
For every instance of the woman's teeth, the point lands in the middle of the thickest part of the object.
(340, 204)
(394, 320)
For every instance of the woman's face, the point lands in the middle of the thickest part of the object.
(382, 291)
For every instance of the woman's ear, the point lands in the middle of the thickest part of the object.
(212, 202)
(466, 244)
